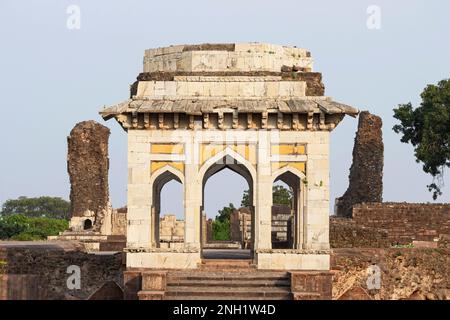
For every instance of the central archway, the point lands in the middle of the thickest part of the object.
(234, 162)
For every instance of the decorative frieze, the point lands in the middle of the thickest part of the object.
(236, 121)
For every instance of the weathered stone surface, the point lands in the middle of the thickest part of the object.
(366, 172)
(346, 233)
(406, 273)
(39, 271)
(310, 285)
(87, 164)
(405, 222)
(171, 231)
(154, 280)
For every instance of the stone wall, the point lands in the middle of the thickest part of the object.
(39, 271)
(366, 172)
(171, 231)
(405, 222)
(406, 273)
(281, 226)
(119, 221)
(241, 226)
(346, 233)
(87, 164)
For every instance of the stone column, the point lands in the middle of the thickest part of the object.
(192, 198)
(139, 228)
(263, 190)
(316, 224)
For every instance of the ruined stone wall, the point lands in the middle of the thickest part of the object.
(40, 272)
(346, 233)
(405, 222)
(87, 164)
(366, 172)
(281, 226)
(406, 273)
(241, 226)
(171, 231)
(119, 221)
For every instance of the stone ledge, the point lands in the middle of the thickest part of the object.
(161, 250)
(293, 251)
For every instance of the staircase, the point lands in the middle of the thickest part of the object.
(226, 279)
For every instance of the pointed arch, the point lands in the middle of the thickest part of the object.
(276, 175)
(227, 152)
(293, 178)
(158, 180)
(167, 168)
(238, 164)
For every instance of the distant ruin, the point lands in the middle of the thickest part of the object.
(93, 221)
(366, 172)
(88, 164)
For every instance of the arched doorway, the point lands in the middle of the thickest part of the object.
(172, 233)
(87, 225)
(287, 211)
(242, 219)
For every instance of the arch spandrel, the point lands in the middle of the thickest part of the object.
(246, 150)
(298, 166)
(239, 159)
(288, 168)
(156, 166)
(167, 170)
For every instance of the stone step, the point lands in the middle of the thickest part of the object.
(116, 237)
(237, 262)
(225, 289)
(232, 294)
(227, 276)
(222, 284)
(228, 264)
(226, 283)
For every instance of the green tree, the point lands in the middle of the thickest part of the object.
(20, 227)
(221, 230)
(221, 224)
(245, 202)
(12, 225)
(280, 194)
(50, 207)
(225, 213)
(427, 128)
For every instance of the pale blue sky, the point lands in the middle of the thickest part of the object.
(52, 77)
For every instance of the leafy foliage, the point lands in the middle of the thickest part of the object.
(225, 213)
(427, 128)
(281, 195)
(245, 202)
(20, 227)
(50, 207)
(221, 230)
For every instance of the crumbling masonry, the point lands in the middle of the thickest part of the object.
(87, 164)
(366, 172)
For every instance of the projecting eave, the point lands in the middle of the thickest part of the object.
(201, 106)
